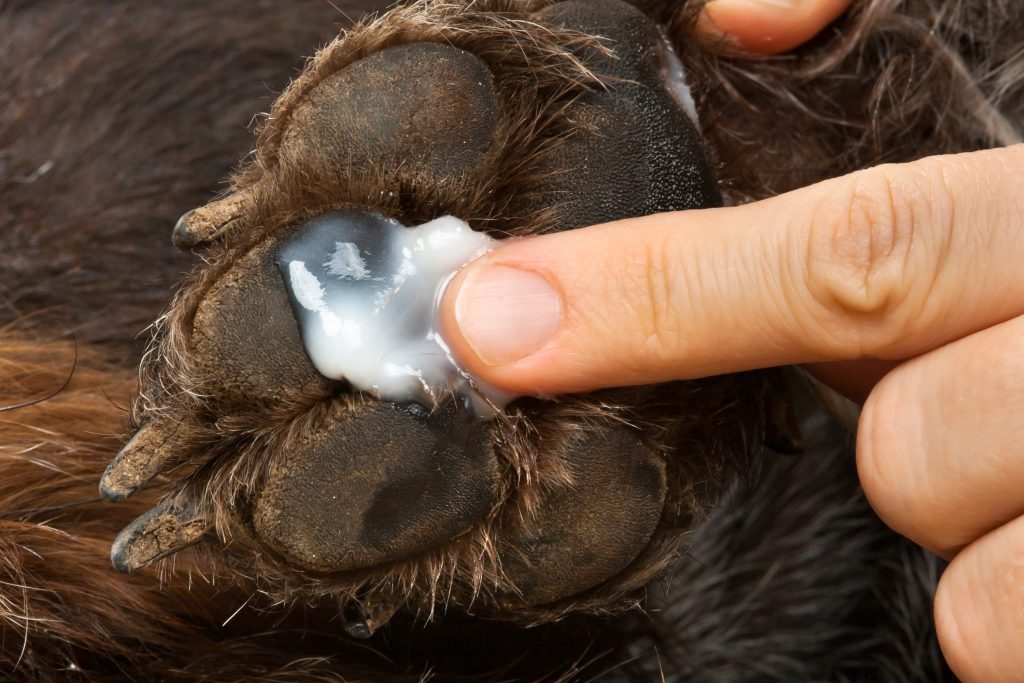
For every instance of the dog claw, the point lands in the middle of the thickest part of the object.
(207, 223)
(142, 458)
(362, 619)
(166, 529)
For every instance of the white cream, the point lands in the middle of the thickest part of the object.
(675, 82)
(366, 292)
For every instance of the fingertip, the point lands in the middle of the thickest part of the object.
(448, 326)
(505, 313)
(768, 27)
(546, 315)
(978, 622)
(495, 313)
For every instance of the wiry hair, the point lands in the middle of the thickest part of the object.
(864, 92)
(60, 610)
(105, 141)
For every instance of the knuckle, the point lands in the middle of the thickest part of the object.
(657, 314)
(863, 236)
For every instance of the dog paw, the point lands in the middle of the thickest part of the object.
(515, 123)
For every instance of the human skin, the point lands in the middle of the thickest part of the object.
(899, 285)
(763, 27)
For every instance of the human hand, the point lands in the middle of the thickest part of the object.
(915, 266)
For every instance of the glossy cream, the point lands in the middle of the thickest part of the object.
(366, 290)
(674, 76)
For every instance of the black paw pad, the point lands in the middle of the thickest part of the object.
(423, 108)
(590, 531)
(643, 153)
(376, 484)
(245, 338)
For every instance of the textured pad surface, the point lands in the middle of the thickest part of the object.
(424, 108)
(590, 531)
(351, 486)
(642, 153)
(245, 337)
(376, 484)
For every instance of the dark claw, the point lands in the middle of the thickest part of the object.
(166, 529)
(207, 223)
(142, 458)
(363, 619)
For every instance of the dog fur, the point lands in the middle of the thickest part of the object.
(117, 117)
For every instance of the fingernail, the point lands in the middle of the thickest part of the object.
(506, 313)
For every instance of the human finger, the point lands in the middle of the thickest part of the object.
(978, 618)
(769, 26)
(885, 263)
(939, 447)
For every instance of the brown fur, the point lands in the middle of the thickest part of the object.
(57, 586)
(894, 81)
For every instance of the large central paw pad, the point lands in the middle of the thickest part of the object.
(316, 429)
(377, 484)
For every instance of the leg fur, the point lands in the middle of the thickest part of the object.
(120, 116)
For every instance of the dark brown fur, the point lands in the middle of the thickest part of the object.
(116, 119)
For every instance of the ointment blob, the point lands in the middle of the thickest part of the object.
(675, 82)
(366, 290)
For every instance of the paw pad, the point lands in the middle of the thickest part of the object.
(377, 484)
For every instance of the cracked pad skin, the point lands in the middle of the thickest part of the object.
(571, 505)
(250, 299)
(395, 109)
